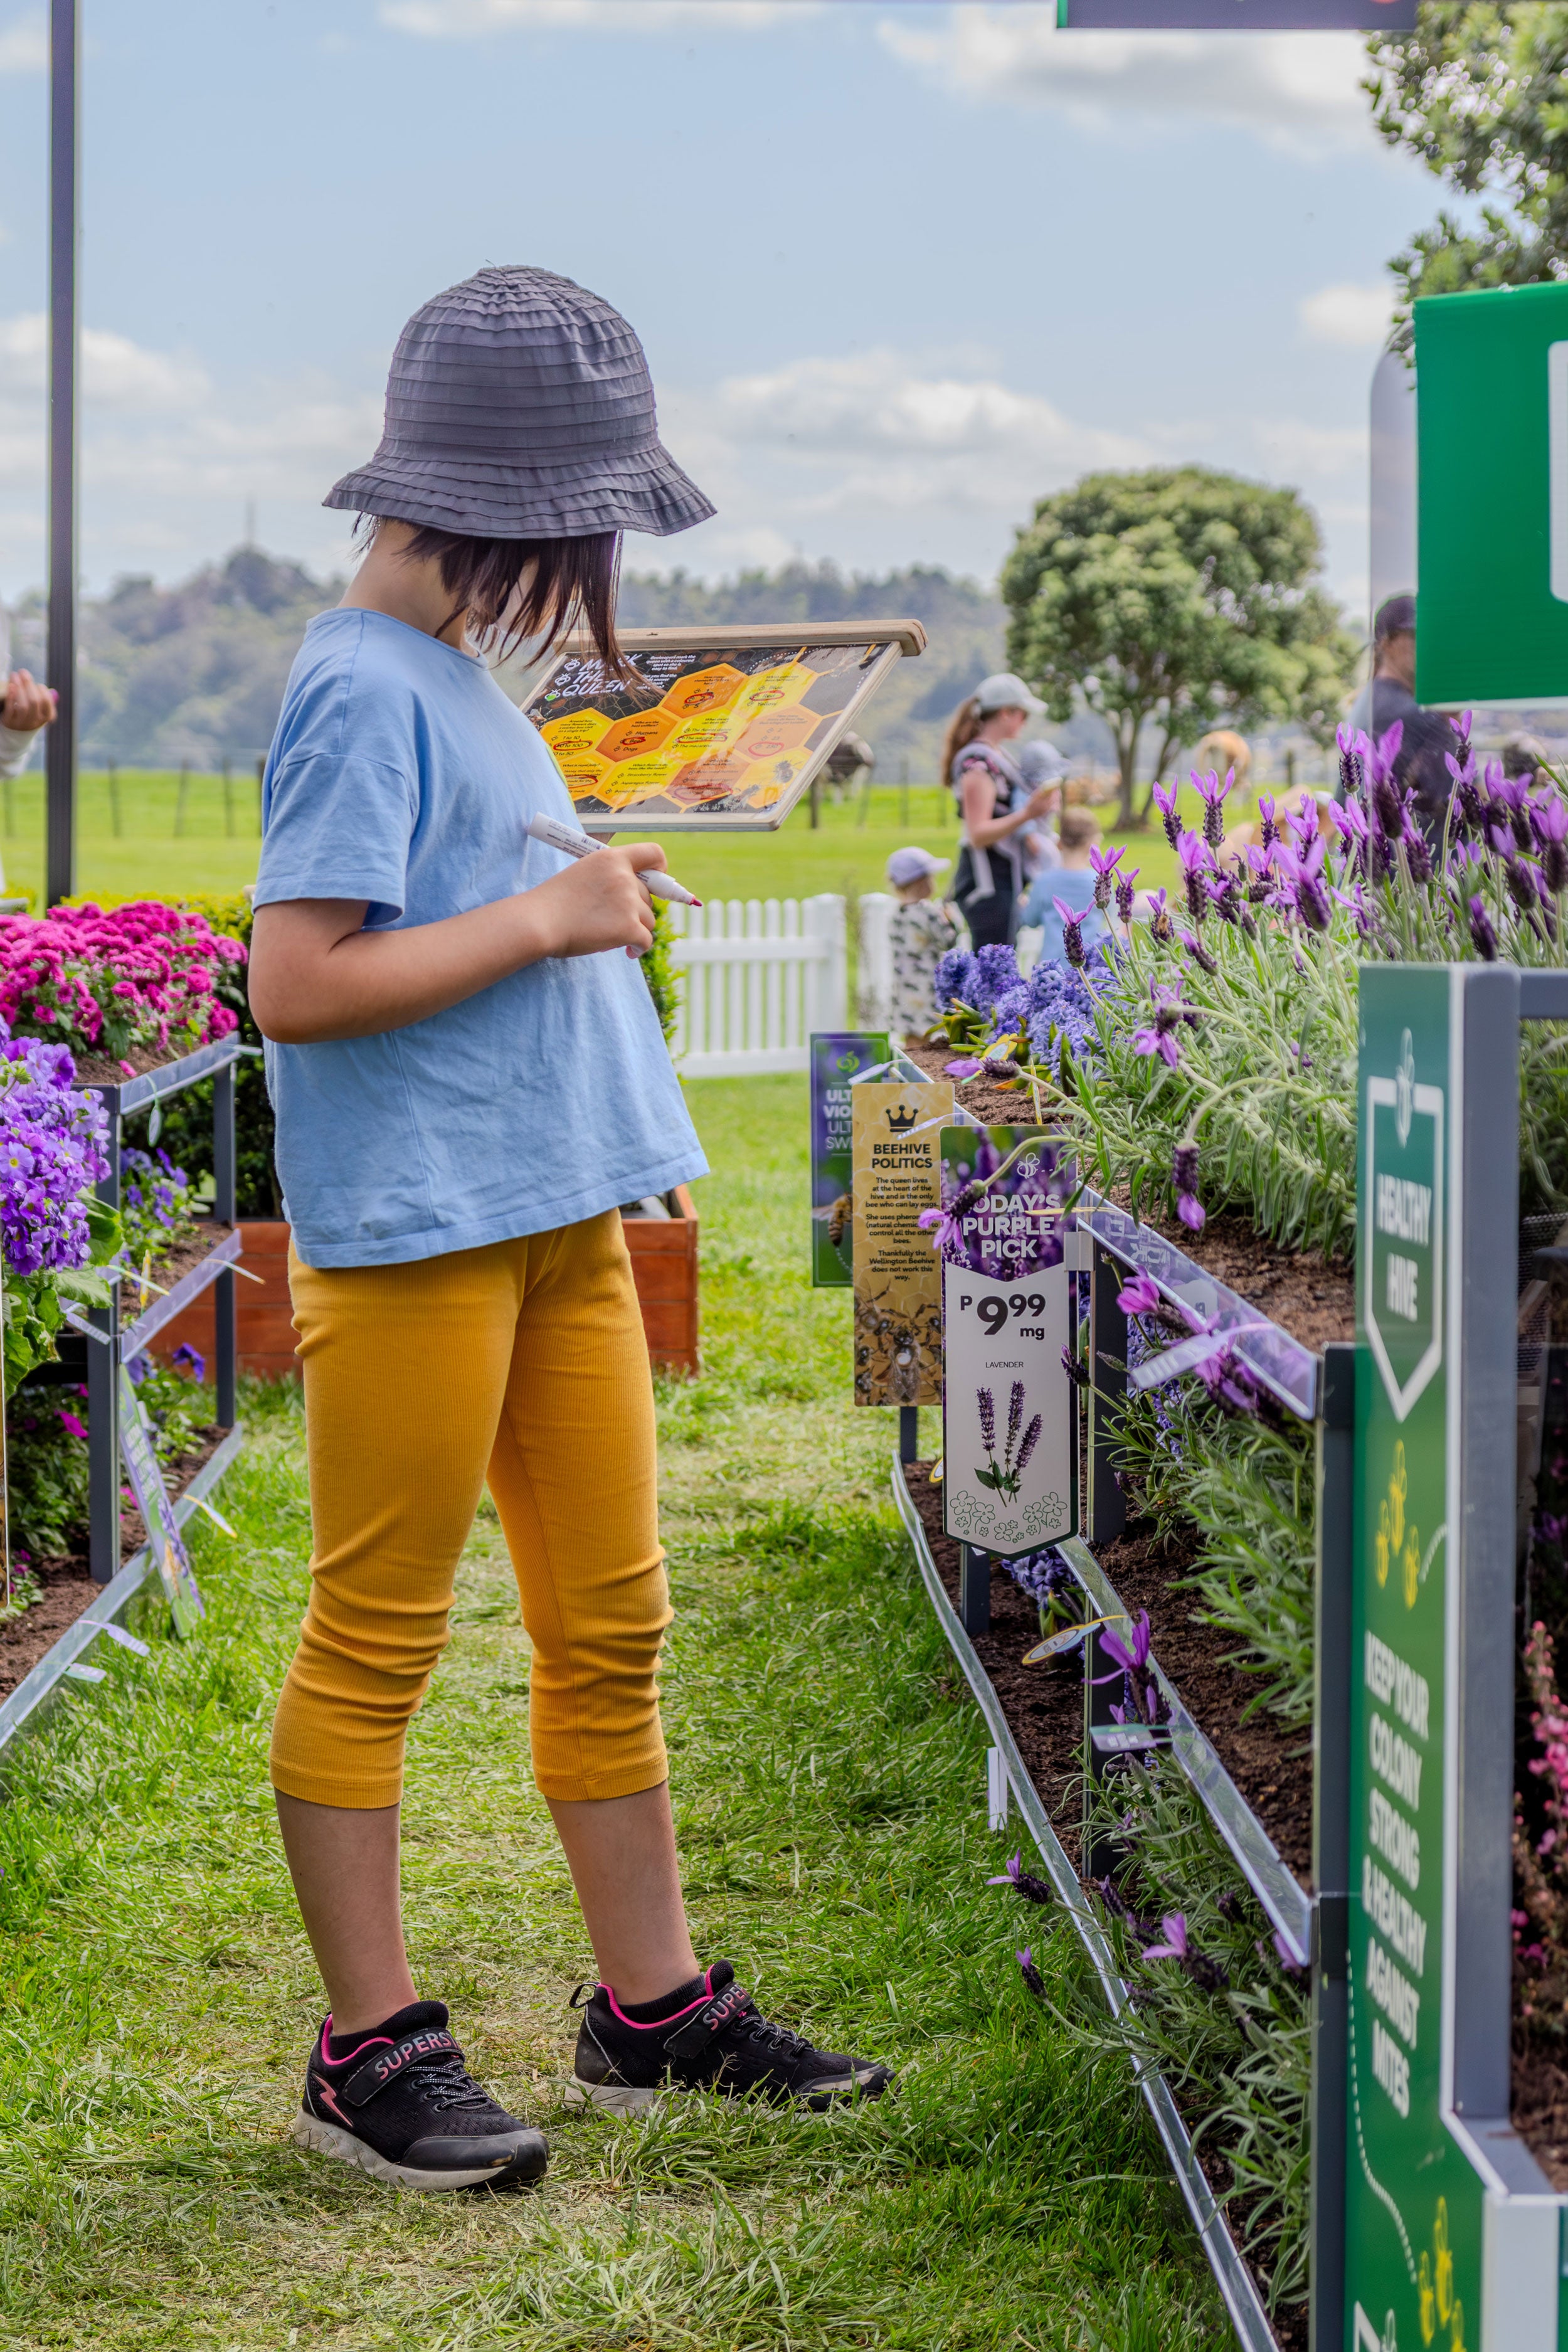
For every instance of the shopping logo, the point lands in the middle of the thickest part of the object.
(1401, 1256)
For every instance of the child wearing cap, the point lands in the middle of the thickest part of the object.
(1071, 883)
(922, 931)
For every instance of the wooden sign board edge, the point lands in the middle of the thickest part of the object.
(909, 636)
(883, 634)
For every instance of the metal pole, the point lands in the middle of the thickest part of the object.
(973, 1589)
(1331, 1843)
(909, 1433)
(1108, 1370)
(60, 741)
(224, 1332)
(103, 1391)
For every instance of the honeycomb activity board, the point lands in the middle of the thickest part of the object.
(719, 730)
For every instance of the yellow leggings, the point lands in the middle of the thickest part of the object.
(524, 1362)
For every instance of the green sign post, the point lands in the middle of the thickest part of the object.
(1451, 2233)
(1492, 441)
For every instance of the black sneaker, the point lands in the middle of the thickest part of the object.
(403, 2106)
(717, 2043)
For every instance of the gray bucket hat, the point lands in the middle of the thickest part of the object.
(519, 406)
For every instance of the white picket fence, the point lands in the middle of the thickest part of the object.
(759, 975)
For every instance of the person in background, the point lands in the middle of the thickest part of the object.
(26, 706)
(1521, 754)
(1389, 697)
(994, 805)
(921, 932)
(1072, 882)
(1040, 764)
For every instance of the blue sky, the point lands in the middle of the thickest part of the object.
(900, 269)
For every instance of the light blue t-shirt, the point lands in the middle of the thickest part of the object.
(401, 774)
(1073, 886)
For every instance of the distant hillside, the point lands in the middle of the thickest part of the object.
(196, 672)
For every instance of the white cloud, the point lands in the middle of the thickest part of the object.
(1292, 90)
(874, 429)
(1354, 316)
(115, 372)
(468, 19)
(25, 46)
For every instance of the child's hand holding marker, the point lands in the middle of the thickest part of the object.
(572, 843)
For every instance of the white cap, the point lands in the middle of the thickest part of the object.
(1005, 692)
(909, 864)
(1041, 763)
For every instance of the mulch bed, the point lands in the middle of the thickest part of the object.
(67, 1587)
(104, 1070)
(1045, 1712)
(1540, 2104)
(1313, 1298)
(168, 1271)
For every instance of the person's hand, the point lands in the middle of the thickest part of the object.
(1041, 800)
(28, 704)
(598, 902)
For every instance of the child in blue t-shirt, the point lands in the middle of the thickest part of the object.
(1072, 882)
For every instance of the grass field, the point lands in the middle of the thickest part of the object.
(828, 1771)
(209, 840)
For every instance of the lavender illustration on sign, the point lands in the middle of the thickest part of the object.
(1005, 1477)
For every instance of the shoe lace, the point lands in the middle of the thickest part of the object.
(447, 2083)
(775, 2037)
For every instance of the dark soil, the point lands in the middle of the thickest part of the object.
(1541, 2107)
(167, 1271)
(66, 1583)
(1313, 1298)
(103, 1070)
(1044, 1705)
(1044, 1708)
(1270, 1763)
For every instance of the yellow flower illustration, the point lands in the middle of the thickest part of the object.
(1428, 2300)
(1412, 1568)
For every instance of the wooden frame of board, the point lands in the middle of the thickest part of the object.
(753, 743)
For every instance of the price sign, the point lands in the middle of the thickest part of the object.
(1009, 1410)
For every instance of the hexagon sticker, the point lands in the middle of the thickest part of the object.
(584, 773)
(629, 739)
(704, 690)
(579, 732)
(702, 781)
(770, 687)
(778, 732)
(766, 782)
(700, 736)
(631, 780)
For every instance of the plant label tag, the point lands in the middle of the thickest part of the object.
(1127, 1738)
(80, 1674)
(126, 1640)
(1055, 1646)
(895, 1155)
(180, 1588)
(1009, 1483)
(838, 1055)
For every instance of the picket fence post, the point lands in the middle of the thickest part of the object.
(757, 977)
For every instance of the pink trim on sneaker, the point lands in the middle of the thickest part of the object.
(377, 2041)
(657, 2024)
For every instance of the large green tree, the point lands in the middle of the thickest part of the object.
(1481, 95)
(1178, 599)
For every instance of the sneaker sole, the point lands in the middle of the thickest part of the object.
(621, 2099)
(322, 2138)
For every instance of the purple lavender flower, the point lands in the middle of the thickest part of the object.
(1023, 1882)
(1030, 1973)
(1170, 1013)
(964, 1067)
(1194, 851)
(1165, 801)
(1160, 923)
(1140, 1294)
(1481, 931)
(1185, 1177)
(1124, 895)
(1550, 818)
(1105, 863)
(1353, 748)
(1266, 819)
(1212, 792)
(1072, 933)
(1174, 1948)
(1522, 887)
(1304, 872)
(1196, 949)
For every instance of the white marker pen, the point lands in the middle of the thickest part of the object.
(572, 843)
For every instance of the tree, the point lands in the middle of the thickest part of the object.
(1177, 598)
(1478, 93)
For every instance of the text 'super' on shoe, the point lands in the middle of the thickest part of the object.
(401, 2105)
(718, 2041)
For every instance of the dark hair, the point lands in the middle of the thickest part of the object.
(573, 583)
(962, 729)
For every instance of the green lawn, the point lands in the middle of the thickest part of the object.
(159, 1996)
(209, 840)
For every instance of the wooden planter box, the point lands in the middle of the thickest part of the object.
(664, 1266)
